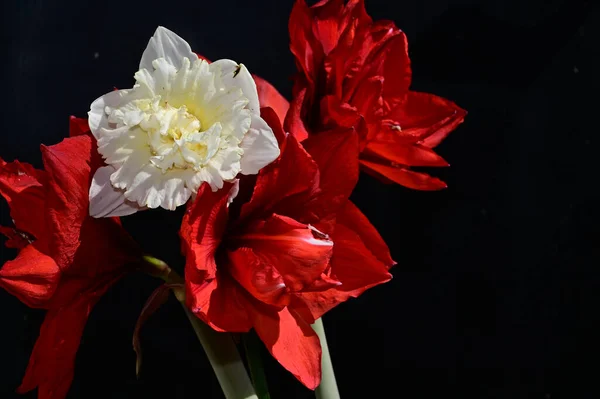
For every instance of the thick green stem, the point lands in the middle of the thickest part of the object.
(328, 388)
(225, 360)
(219, 347)
(252, 346)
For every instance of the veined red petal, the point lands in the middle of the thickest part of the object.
(202, 229)
(430, 116)
(105, 248)
(336, 153)
(68, 167)
(294, 122)
(219, 303)
(291, 341)
(404, 154)
(332, 19)
(328, 22)
(376, 50)
(403, 176)
(304, 46)
(31, 276)
(351, 217)
(268, 96)
(259, 277)
(367, 98)
(23, 188)
(354, 265)
(396, 69)
(78, 126)
(335, 113)
(52, 362)
(286, 185)
(290, 255)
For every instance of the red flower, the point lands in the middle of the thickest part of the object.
(66, 259)
(354, 72)
(286, 250)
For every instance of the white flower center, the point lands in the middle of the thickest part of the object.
(175, 136)
(185, 122)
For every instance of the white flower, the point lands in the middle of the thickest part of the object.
(184, 122)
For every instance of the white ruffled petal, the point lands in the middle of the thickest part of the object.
(97, 117)
(125, 174)
(234, 74)
(168, 45)
(227, 162)
(107, 201)
(184, 123)
(260, 147)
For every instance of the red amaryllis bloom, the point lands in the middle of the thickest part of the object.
(277, 250)
(66, 260)
(354, 72)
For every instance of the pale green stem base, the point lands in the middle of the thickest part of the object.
(225, 360)
(328, 388)
(219, 347)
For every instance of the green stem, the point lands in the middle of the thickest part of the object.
(252, 346)
(224, 359)
(328, 388)
(219, 347)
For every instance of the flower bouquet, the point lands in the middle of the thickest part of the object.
(270, 238)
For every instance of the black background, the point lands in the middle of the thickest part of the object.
(496, 294)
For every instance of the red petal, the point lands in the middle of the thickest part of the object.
(202, 229)
(328, 23)
(258, 277)
(291, 341)
(284, 186)
(268, 96)
(403, 176)
(396, 69)
(69, 172)
(293, 121)
(80, 244)
(105, 248)
(32, 277)
(23, 188)
(354, 266)
(332, 19)
(367, 98)
(219, 302)
(353, 263)
(210, 293)
(431, 117)
(289, 256)
(351, 217)
(404, 154)
(303, 45)
(53, 359)
(78, 126)
(370, 51)
(336, 153)
(335, 113)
